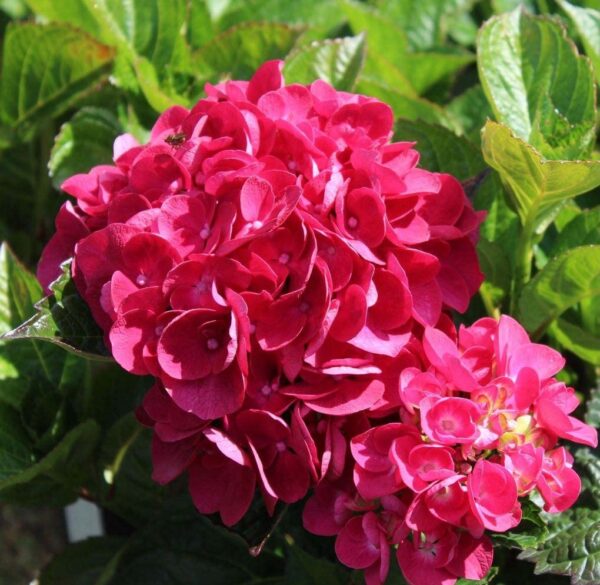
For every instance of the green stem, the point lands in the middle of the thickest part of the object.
(523, 261)
(490, 309)
(111, 472)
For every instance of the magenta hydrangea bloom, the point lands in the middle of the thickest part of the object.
(268, 246)
(286, 274)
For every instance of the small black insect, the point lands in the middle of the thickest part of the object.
(176, 140)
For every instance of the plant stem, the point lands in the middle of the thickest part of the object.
(490, 309)
(523, 260)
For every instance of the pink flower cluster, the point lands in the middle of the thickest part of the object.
(286, 273)
(476, 429)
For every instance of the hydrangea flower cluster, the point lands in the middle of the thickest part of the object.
(476, 430)
(286, 273)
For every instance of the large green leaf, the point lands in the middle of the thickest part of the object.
(537, 84)
(148, 36)
(63, 319)
(45, 70)
(572, 549)
(83, 142)
(564, 282)
(441, 150)
(587, 23)
(238, 52)
(180, 548)
(537, 187)
(337, 61)
(148, 28)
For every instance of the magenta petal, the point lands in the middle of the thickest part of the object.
(221, 486)
(472, 558)
(169, 460)
(349, 398)
(353, 547)
(211, 397)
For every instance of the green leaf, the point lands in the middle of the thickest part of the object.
(582, 230)
(19, 290)
(149, 28)
(67, 324)
(146, 28)
(576, 339)
(304, 569)
(531, 531)
(425, 21)
(587, 23)
(32, 360)
(151, 49)
(24, 210)
(572, 549)
(537, 187)
(89, 562)
(58, 475)
(45, 70)
(79, 13)
(384, 38)
(427, 68)
(84, 141)
(501, 223)
(337, 61)
(15, 447)
(180, 547)
(537, 84)
(388, 42)
(201, 28)
(564, 282)
(441, 150)
(238, 52)
(471, 110)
